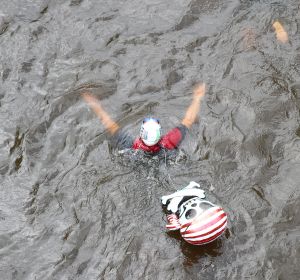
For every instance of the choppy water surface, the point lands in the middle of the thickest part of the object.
(72, 208)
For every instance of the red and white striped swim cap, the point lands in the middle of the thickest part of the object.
(201, 221)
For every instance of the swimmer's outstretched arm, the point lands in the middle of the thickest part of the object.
(193, 109)
(94, 103)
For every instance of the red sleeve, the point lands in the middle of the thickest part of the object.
(137, 144)
(173, 138)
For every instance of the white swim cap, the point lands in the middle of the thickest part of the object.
(150, 131)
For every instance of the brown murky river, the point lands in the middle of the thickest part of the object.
(72, 207)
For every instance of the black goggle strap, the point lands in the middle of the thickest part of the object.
(149, 119)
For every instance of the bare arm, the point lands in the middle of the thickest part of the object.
(281, 34)
(193, 109)
(94, 103)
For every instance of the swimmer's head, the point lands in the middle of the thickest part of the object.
(150, 131)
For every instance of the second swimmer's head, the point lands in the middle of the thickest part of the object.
(150, 131)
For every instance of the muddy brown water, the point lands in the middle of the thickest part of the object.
(71, 207)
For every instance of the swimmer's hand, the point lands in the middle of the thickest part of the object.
(193, 109)
(94, 103)
(281, 34)
(89, 99)
(199, 91)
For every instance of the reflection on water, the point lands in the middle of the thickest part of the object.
(74, 208)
